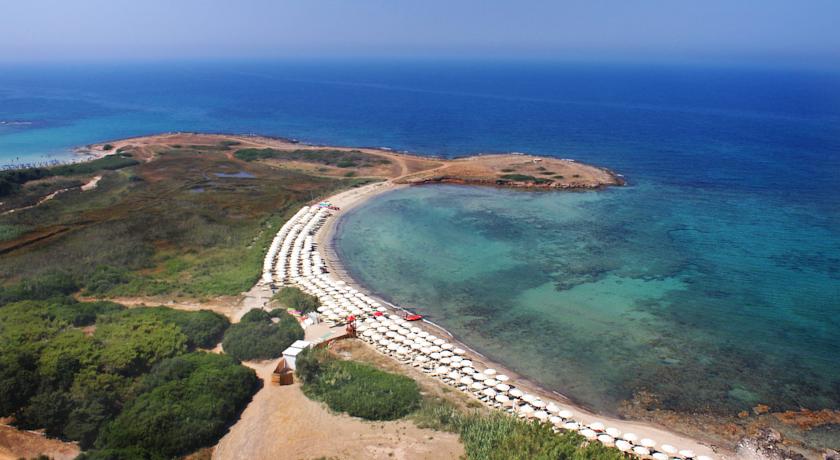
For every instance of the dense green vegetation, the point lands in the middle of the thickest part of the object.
(169, 226)
(256, 336)
(204, 329)
(11, 181)
(358, 389)
(294, 298)
(524, 178)
(331, 157)
(500, 437)
(108, 377)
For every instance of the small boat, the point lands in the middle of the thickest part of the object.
(412, 317)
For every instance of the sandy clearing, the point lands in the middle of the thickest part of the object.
(16, 444)
(282, 423)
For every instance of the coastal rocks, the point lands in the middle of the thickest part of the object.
(766, 444)
(807, 419)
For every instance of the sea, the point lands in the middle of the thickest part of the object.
(710, 283)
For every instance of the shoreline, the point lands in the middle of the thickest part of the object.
(325, 244)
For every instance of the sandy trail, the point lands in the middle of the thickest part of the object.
(282, 423)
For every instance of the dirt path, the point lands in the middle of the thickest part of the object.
(281, 422)
(15, 444)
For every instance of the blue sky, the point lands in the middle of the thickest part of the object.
(119, 29)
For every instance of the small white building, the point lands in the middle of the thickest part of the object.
(290, 354)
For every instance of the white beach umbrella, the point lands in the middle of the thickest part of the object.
(446, 346)
(686, 453)
(539, 404)
(504, 387)
(526, 410)
(614, 432)
(641, 450)
(466, 381)
(435, 356)
(668, 449)
(660, 456)
(516, 393)
(489, 372)
(571, 426)
(489, 392)
(703, 457)
(421, 359)
(491, 382)
(588, 434)
(442, 370)
(541, 415)
(567, 414)
(459, 351)
(477, 386)
(606, 439)
(479, 376)
(445, 360)
(555, 420)
(553, 408)
(528, 398)
(502, 398)
(597, 426)
(456, 364)
(623, 445)
(502, 378)
(454, 375)
(468, 363)
(631, 437)
(647, 442)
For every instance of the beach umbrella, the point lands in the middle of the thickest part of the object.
(467, 371)
(489, 372)
(421, 359)
(377, 313)
(555, 420)
(553, 408)
(502, 387)
(526, 410)
(491, 382)
(687, 453)
(623, 445)
(528, 398)
(442, 370)
(454, 375)
(502, 378)
(541, 415)
(435, 356)
(660, 456)
(468, 363)
(502, 399)
(539, 404)
(668, 449)
(445, 360)
(630, 437)
(703, 457)
(597, 426)
(588, 434)
(446, 346)
(516, 393)
(489, 392)
(479, 376)
(459, 351)
(567, 414)
(477, 386)
(647, 442)
(606, 439)
(466, 381)
(571, 426)
(614, 432)
(456, 364)
(641, 450)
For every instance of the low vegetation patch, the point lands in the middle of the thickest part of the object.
(204, 329)
(294, 298)
(524, 178)
(501, 437)
(330, 157)
(358, 389)
(257, 336)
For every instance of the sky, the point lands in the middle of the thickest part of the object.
(177, 29)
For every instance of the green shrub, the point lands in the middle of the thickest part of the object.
(204, 328)
(294, 298)
(133, 345)
(53, 284)
(107, 147)
(358, 389)
(257, 337)
(104, 278)
(184, 403)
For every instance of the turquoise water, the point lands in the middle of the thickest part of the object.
(711, 301)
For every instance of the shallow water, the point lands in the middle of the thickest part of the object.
(711, 301)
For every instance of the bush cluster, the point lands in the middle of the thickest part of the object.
(330, 157)
(12, 180)
(358, 389)
(257, 336)
(128, 372)
(294, 298)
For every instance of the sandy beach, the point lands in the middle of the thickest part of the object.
(350, 199)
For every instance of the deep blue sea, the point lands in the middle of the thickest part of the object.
(710, 283)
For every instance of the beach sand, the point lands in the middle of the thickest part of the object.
(350, 199)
